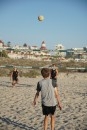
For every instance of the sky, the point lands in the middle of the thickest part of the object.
(65, 22)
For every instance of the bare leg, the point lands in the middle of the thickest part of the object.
(45, 122)
(52, 122)
(13, 83)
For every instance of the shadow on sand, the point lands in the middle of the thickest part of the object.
(8, 84)
(16, 124)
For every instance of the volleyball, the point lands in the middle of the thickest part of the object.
(40, 18)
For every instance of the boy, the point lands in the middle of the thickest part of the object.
(54, 74)
(48, 94)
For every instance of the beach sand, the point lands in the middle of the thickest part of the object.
(18, 113)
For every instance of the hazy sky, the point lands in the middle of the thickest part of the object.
(65, 22)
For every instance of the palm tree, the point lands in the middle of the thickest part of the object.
(9, 44)
(24, 45)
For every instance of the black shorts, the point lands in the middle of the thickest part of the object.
(48, 110)
(54, 83)
(15, 79)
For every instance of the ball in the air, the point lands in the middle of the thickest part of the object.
(40, 18)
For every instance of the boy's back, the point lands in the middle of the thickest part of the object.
(47, 92)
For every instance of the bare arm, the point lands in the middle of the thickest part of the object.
(11, 75)
(35, 98)
(58, 98)
(18, 74)
(56, 72)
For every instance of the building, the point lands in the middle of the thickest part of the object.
(34, 48)
(17, 47)
(1, 44)
(79, 54)
(60, 50)
(43, 46)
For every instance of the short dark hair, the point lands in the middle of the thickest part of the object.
(53, 64)
(45, 72)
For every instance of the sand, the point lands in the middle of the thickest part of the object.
(18, 113)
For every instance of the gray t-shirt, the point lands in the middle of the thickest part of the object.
(47, 92)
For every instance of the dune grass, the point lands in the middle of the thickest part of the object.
(21, 62)
(34, 72)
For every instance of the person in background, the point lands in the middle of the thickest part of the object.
(14, 76)
(54, 74)
(49, 98)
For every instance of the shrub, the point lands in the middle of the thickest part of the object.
(31, 74)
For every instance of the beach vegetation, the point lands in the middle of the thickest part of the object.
(3, 54)
(7, 64)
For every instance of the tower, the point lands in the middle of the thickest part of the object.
(43, 46)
